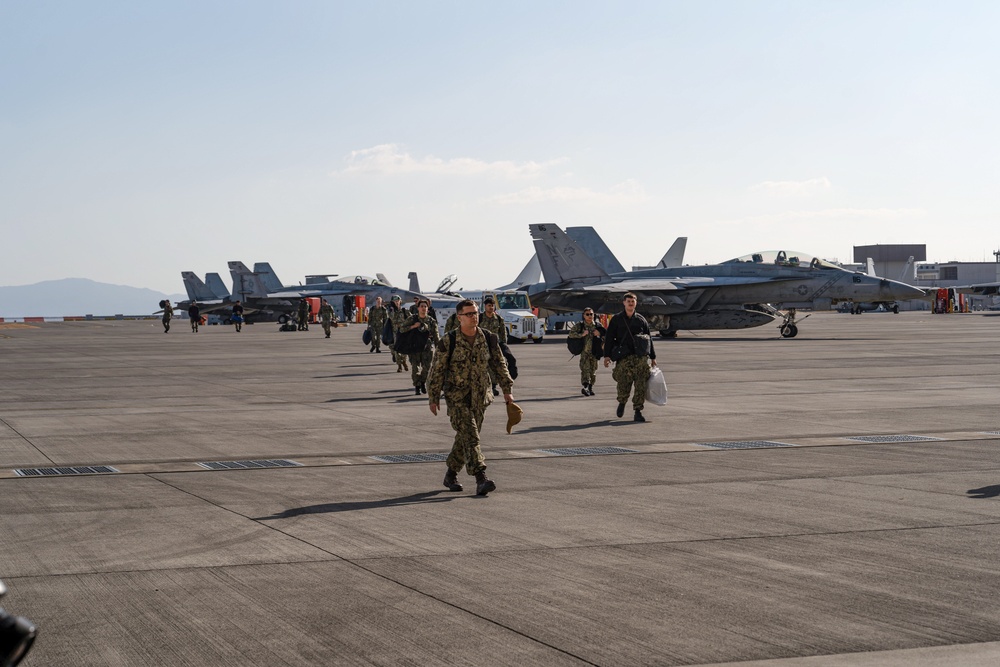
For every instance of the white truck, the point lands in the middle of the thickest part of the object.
(512, 305)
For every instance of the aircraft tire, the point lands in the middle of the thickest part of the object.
(668, 333)
(789, 331)
(282, 319)
(895, 309)
(536, 340)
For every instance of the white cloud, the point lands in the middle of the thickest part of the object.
(627, 192)
(392, 159)
(791, 188)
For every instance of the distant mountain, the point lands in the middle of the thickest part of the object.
(79, 296)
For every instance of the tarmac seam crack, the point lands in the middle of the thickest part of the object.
(30, 443)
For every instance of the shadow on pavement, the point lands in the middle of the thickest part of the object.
(326, 508)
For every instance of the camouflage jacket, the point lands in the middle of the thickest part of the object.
(326, 312)
(397, 316)
(377, 316)
(462, 372)
(452, 323)
(427, 324)
(585, 331)
(494, 324)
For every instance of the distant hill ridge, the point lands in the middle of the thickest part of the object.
(79, 296)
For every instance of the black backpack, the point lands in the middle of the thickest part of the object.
(411, 341)
(388, 333)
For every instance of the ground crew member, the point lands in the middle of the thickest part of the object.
(462, 371)
(168, 312)
(326, 316)
(194, 314)
(377, 315)
(492, 321)
(303, 315)
(397, 316)
(421, 361)
(238, 316)
(628, 339)
(590, 331)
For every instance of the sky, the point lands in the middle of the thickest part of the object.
(142, 139)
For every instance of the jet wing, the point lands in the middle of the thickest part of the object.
(981, 289)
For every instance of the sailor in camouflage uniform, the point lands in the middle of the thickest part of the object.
(462, 372)
(168, 312)
(397, 315)
(326, 315)
(421, 362)
(629, 331)
(589, 331)
(492, 322)
(452, 322)
(377, 315)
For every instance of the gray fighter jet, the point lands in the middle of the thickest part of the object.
(740, 293)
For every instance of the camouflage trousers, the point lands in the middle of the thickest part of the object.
(466, 450)
(400, 359)
(631, 371)
(420, 365)
(588, 368)
(376, 337)
(326, 327)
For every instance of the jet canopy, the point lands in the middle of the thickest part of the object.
(788, 258)
(360, 280)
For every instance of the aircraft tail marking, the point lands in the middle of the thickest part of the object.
(560, 257)
(196, 289)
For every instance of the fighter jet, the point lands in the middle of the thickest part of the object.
(739, 293)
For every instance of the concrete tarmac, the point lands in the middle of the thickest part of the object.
(856, 521)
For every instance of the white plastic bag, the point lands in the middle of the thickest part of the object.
(656, 388)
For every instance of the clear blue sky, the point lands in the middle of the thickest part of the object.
(140, 139)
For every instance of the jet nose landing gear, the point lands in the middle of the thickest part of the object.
(788, 327)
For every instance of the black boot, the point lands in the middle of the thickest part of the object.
(416, 390)
(590, 389)
(621, 410)
(484, 484)
(496, 390)
(584, 391)
(638, 416)
(423, 387)
(451, 481)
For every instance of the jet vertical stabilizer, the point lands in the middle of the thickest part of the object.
(595, 247)
(196, 289)
(245, 282)
(674, 256)
(561, 258)
(530, 274)
(414, 282)
(268, 276)
(214, 283)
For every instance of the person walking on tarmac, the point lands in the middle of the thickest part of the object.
(303, 315)
(462, 371)
(238, 316)
(421, 361)
(397, 315)
(492, 321)
(377, 316)
(591, 332)
(326, 316)
(630, 346)
(194, 314)
(168, 313)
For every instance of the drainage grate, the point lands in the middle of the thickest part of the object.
(247, 465)
(744, 444)
(75, 470)
(410, 458)
(891, 438)
(586, 451)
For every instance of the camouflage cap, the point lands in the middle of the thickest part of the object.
(395, 297)
(514, 413)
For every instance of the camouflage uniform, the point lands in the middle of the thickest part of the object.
(588, 362)
(303, 315)
(633, 369)
(452, 323)
(421, 362)
(397, 316)
(168, 312)
(376, 320)
(495, 326)
(326, 314)
(466, 386)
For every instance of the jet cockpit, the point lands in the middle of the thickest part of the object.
(784, 258)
